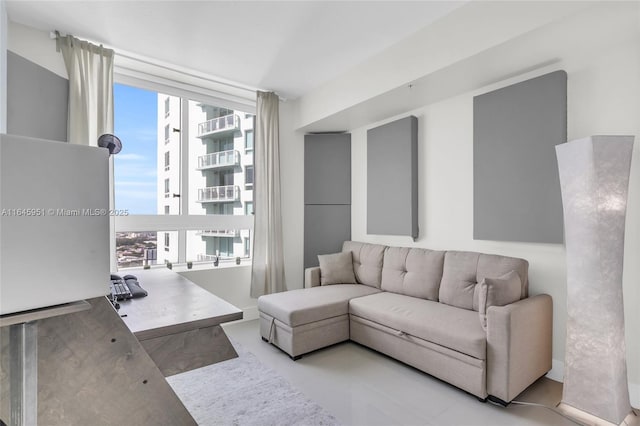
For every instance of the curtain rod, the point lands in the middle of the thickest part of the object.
(173, 68)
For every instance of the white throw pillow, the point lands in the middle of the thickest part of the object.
(498, 292)
(336, 268)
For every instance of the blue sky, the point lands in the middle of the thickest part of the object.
(135, 123)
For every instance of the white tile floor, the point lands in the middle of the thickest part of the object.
(362, 387)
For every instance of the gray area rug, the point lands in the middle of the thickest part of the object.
(243, 391)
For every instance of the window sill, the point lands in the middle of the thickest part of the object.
(198, 266)
(208, 266)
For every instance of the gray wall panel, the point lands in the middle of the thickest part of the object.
(392, 178)
(327, 194)
(516, 185)
(37, 100)
(326, 227)
(327, 168)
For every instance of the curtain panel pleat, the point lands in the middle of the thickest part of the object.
(267, 275)
(90, 70)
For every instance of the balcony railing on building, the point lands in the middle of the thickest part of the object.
(219, 159)
(207, 257)
(233, 233)
(221, 194)
(218, 125)
(225, 257)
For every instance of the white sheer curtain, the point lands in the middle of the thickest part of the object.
(267, 275)
(90, 70)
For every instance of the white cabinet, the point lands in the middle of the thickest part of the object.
(54, 224)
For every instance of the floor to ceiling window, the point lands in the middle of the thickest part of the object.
(183, 158)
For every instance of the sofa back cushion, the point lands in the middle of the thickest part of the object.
(367, 262)
(462, 271)
(336, 268)
(498, 292)
(413, 272)
(493, 266)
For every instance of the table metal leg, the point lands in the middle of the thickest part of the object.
(23, 373)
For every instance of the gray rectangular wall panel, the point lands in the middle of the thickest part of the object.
(327, 194)
(392, 178)
(37, 100)
(326, 227)
(327, 168)
(516, 186)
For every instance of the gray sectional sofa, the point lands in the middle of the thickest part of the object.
(463, 317)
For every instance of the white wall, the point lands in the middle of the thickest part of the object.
(292, 195)
(37, 47)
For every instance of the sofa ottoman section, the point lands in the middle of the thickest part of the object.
(301, 321)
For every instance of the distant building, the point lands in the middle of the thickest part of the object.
(220, 158)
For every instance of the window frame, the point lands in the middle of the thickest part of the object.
(167, 134)
(167, 188)
(180, 222)
(249, 170)
(247, 246)
(253, 135)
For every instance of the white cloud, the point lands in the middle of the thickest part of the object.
(134, 184)
(128, 157)
(138, 172)
(138, 135)
(133, 194)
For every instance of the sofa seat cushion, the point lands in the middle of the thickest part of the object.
(304, 306)
(448, 326)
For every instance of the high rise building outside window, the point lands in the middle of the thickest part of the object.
(205, 168)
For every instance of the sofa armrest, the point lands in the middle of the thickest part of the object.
(519, 339)
(312, 277)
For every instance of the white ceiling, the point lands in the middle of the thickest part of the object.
(290, 47)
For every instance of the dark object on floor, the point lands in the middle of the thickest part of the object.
(497, 400)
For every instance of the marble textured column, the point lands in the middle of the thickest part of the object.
(594, 179)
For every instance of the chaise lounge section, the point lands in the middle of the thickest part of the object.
(302, 321)
(463, 317)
